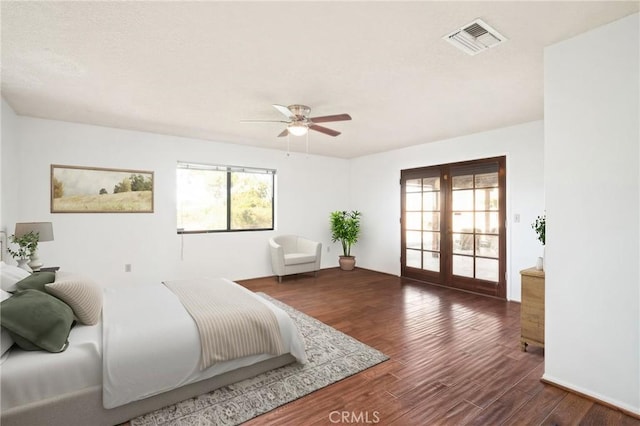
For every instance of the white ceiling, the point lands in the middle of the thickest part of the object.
(196, 69)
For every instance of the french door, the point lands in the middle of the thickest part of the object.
(453, 225)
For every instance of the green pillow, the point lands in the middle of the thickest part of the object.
(36, 281)
(37, 320)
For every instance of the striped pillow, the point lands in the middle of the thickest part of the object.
(82, 294)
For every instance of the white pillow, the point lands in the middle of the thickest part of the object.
(81, 293)
(10, 275)
(5, 339)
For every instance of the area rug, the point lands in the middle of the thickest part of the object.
(332, 356)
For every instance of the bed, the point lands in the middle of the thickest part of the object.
(143, 354)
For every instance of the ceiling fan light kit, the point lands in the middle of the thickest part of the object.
(298, 121)
(297, 129)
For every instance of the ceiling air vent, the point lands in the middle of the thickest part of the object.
(475, 37)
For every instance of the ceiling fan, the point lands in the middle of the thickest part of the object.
(298, 121)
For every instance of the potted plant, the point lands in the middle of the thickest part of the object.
(540, 227)
(27, 245)
(345, 227)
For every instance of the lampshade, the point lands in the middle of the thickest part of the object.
(297, 129)
(44, 230)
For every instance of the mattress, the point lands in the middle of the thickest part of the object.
(29, 376)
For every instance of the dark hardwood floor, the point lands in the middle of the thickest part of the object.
(454, 358)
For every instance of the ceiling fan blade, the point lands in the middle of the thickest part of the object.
(324, 130)
(285, 132)
(327, 118)
(285, 111)
(263, 121)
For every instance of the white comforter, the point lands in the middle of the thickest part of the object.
(151, 343)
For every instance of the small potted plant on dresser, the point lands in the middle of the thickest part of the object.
(540, 226)
(27, 245)
(345, 227)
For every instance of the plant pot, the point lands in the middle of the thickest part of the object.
(24, 264)
(347, 263)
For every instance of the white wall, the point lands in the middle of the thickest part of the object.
(308, 189)
(9, 186)
(375, 190)
(592, 198)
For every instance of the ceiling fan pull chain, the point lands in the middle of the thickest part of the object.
(307, 144)
(288, 143)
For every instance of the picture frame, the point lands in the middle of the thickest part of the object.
(79, 189)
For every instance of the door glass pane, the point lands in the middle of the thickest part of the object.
(422, 223)
(413, 258)
(431, 201)
(413, 200)
(431, 221)
(487, 245)
(413, 239)
(413, 185)
(486, 180)
(414, 220)
(487, 269)
(431, 261)
(487, 199)
(431, 184)
(462, 222)
(462, 182)
(463, 243)
(463, 266)
(431, 241)
(462, 200)
(487, 222)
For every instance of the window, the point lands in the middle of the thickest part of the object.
(214, 198)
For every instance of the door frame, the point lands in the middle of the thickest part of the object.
(445, 276)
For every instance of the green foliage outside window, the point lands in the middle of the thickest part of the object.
(251, 201)
(211, 199)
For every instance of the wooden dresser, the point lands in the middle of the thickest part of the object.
(532, 308)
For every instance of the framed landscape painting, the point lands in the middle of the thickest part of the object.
(77, 189)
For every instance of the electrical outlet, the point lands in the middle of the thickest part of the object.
(516, 218)
(127, 267)
(328, 248)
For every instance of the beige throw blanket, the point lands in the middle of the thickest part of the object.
(231, 322)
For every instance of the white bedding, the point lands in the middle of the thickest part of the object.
(151, 343)
(29, 376)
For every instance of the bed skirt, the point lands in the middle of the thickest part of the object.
(85, 407)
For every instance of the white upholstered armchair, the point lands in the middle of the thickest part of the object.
(291, 254)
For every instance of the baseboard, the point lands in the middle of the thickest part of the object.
(331, 268)
(377, 272)
(456, 289)
(607, 402)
